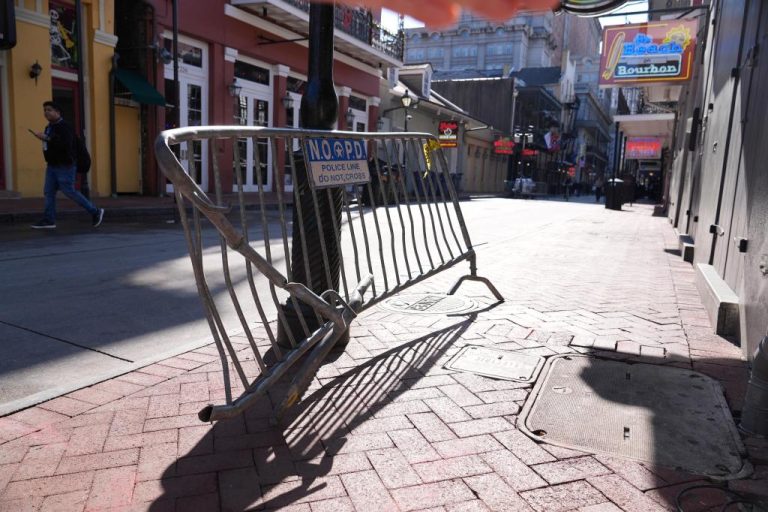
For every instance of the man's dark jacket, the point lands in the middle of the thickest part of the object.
(60, 147)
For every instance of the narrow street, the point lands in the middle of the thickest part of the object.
(383, 427)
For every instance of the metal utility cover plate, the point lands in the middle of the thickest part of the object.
(654, 414)
(429, 303)
(499, 364)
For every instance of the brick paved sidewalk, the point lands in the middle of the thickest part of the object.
(385, 426)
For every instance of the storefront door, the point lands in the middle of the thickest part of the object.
(65, 94)
(192, 105)
(3, 182)
(253, 109)
(291, 121)
(360, 122)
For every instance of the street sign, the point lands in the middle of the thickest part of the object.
(448, 134)
(646, 53)
(337, 162)
(503, 146)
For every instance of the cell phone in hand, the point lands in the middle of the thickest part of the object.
(31, 131)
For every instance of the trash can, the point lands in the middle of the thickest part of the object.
(613, 196)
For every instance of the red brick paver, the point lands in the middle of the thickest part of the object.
(385, 427)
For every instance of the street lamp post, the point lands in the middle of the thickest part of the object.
(522, 138)
(515, 92)
(407, 101)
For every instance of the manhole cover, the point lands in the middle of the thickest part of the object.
(429, 303)
(499, 364)
(654, 414)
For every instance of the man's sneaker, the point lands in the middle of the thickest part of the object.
(98, 217)
(44, 224)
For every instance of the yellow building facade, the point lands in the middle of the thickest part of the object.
(43, 66)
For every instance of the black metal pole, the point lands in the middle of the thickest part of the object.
(112, 128)
(176, 89)
(319, 111)
(609, 203)
(84, 188)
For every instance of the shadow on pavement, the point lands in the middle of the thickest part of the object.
(290, 461)
(293, 464)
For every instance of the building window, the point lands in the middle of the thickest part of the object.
(251, 73)
(464, 51)
(295, 85)
(63, 35)
(190, 55)
(358, 103)
(499, 49)
(416, 54)
(435, 53)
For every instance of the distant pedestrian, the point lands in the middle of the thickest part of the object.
(60, 152)
(598, 188)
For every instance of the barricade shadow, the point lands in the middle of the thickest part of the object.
(291, 461)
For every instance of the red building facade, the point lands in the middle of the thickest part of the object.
(246, 63)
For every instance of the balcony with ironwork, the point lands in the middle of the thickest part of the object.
(597, 151)
(358, 34)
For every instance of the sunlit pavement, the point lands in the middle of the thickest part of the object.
(385, 426)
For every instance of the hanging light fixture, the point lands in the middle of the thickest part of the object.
(35, 70)
(350, 118)
(287, 101)
(234, 89)
(406, 99)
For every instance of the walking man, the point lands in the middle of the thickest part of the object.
(60, 156)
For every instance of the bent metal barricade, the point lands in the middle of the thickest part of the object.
(337, 162)
(654, 52)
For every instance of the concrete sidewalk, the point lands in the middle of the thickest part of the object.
(385, 426)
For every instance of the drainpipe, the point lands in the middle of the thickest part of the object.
(80, 65)
(112, 142)
(83, 178)
(754, 417)
(177, 89)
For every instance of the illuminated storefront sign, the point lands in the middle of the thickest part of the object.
(448, 132)
(655, 52)
(503, 146)
(643, 148)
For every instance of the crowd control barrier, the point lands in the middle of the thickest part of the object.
(369, 215)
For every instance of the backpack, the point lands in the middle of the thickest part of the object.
(82, 157)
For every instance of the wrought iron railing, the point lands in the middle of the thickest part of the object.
(360, 24)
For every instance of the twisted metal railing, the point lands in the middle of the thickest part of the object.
(401, 223)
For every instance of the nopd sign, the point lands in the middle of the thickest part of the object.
(337, 162)
(654, 52)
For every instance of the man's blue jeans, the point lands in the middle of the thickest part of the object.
(62, 177)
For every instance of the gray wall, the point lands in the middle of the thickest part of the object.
(487, 100)
(724, 180)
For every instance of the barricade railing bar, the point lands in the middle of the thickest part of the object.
(267, 276)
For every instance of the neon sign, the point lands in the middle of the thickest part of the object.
(648, 52)
(643, 148)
